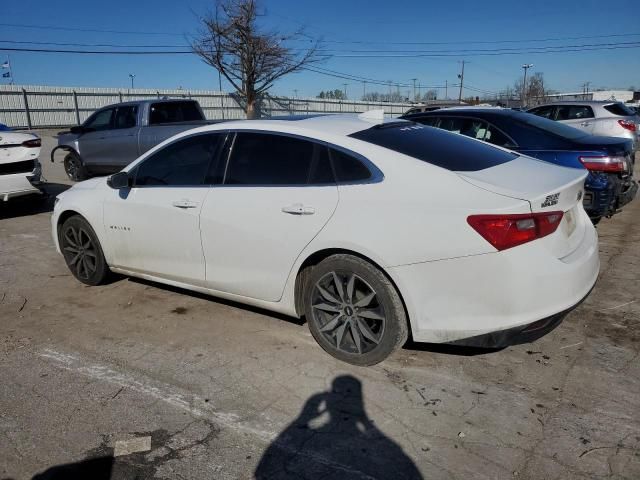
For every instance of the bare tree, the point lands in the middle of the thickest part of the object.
(250, 59)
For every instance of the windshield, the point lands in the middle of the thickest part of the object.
(551, 126)
(433, 145)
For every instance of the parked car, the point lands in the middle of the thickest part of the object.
(610, 161)
(609, 119)
(434, 106)
(20, 171)
(116, 135)
(366, 227)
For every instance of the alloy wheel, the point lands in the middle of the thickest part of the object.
(80, 252)
(346, 310)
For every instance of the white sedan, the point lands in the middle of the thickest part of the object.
(371, 229)
(20, 169)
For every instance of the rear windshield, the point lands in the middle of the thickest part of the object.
(435, 146)
(551, 126)
(619, 109)
(169, 112)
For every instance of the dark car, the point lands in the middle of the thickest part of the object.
(610, 160)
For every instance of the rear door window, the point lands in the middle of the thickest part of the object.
(272, 159)
(171, 112)
(574, 112)
(545, 112)
(435, 146)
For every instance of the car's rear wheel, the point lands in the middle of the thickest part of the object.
(74, 167)
(82, 251)
(354, 311)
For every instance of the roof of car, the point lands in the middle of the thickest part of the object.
(463, 110)
(338, 124)
(578, 102)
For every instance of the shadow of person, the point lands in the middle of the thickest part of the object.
(334, 438)
(94, 468)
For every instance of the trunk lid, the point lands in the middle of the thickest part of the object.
(547, 188)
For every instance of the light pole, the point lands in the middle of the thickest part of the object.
(345, 90)
(132, 76)
(525, 67)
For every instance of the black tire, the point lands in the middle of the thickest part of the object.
(82, 251)
(336, 318)
(74, 168)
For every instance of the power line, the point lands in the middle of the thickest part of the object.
(432, 53)
(73, 29)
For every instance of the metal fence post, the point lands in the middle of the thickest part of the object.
(75, 106)
(120, 96)
(26, 107)
(222, 104)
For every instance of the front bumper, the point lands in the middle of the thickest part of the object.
(20, 184)
(467, 297)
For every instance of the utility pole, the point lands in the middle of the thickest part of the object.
(295, 93)
(132, 76)
(414, 88)
(525, 67)
(461, 77)
(446, 90)
(585, 90)
(345, 90)
(364, 89)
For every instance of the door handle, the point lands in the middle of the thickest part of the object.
(185, 204)
(298, 209)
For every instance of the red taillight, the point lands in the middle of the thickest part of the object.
(36, 142)
(604, 163)
(627, 125)
(506, 231)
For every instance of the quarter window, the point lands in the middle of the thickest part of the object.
(271, 159)
(348, 168)
(100, 120)
(182, 163)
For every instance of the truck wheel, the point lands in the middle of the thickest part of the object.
(354, 312)
(74, 168)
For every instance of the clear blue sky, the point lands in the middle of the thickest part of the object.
(376, 24)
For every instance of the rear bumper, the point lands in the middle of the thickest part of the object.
(460, 299)
(517, 335)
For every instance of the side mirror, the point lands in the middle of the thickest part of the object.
(119, 180)
(77, 129)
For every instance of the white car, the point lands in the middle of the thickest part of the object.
(371, 229)
(20, 169)
(601, 118)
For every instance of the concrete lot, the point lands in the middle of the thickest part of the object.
(214, 390)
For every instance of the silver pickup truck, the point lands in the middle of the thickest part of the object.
(116, 135)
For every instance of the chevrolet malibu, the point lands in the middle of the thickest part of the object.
(372, 229)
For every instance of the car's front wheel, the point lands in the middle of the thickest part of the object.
(82, 251)
(74, 167)
(354, 311)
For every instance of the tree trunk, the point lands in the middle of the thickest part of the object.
(252, 113)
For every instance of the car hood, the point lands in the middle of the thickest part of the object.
(92, 183)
